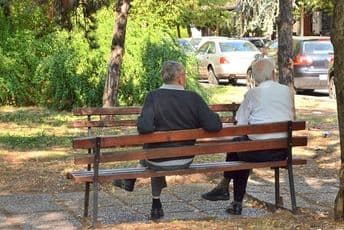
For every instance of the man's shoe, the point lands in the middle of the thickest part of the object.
(216, 194)
(234, 208)
(127, 184)
(157, 213)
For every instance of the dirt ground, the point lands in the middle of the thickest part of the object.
(24, 173)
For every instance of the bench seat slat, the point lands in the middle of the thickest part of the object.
(199, 149)
(140, 172)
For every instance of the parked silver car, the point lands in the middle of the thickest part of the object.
(225, 59)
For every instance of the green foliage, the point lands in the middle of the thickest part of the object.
(183, 13)
(259, 16)
(47, 66)
(143, 60)
(71, 75)
(17, 61)
(53, 71)
(44, 64)
(314, 5)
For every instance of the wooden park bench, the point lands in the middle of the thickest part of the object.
(102, 121)
(123, 148)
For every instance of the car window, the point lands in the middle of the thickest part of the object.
(195, 41)
(203, 49)
(274, 45)
(296, 47)
(248, 46)
(185, 45)
(257, 43)
(211, 49)
(317, 47)
(237, 46)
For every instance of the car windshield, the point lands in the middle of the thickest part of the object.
(195, 41)
(237, 46)
(185, 45)
(318, 47)
(257, 42)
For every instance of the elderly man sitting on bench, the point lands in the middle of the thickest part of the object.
(171, 107)
(268, 102)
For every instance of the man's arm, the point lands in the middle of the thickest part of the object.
(145, 122)
(244, 111)
(209, 120)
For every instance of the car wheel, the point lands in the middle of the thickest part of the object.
(249, 80)
(332, 88)
(212, 79)
(232, 81)
(304, 91)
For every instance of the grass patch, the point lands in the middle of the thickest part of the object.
(219, 94)
(33, 128)
(32, 116)
(314, 120)
(40, 140)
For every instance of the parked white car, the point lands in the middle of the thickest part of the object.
(225, 59)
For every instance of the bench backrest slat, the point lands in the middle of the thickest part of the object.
(127, 116)
(137, 110)
(125, 123)
(181, 135)
(107, 111)
(139, 154)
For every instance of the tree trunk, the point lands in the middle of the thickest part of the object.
(285, 46)
(117, 52)
(178, 31)
(189, 31)
(337, 38)
(6, 8)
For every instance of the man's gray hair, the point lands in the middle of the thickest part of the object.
(171, 70)
(262, 70)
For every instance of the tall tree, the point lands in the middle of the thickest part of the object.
(285, 31)
(337, 38)
(117, 52)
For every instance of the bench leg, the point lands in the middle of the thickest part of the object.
(292, 188)
(95, 205)
(87, 184)
(278, 198)
(87, 198)
(96, 182)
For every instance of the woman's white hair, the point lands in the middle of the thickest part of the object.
(171, 70)
(263, 70)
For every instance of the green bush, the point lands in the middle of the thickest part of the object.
(71, 76)
(18, 60)
(57, 69)
(146, 50)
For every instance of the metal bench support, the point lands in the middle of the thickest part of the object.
(290, 169)
(95, 182)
